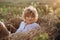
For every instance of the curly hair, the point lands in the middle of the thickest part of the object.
(30, 11)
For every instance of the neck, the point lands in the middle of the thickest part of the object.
(28, 23)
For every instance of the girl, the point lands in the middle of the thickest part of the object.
(28, 27)
(30, 17)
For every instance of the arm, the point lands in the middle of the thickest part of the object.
(34, 31)
(3, 31)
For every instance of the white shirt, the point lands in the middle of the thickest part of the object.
(26, 28)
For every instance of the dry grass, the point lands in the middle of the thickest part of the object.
(47, 25)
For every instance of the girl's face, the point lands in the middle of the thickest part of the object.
(29, 19)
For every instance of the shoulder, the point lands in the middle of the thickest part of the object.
(22, 23)
(36, 24)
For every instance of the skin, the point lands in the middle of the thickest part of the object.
(29, 19)
(3, 31)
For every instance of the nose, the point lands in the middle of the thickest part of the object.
(29, 18)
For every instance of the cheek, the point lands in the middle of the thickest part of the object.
(32, 20)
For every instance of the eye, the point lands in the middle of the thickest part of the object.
(27, 17)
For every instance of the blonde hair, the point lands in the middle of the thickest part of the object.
(33, 9)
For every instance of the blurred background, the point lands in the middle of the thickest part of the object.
(15, 7)
(48, 10)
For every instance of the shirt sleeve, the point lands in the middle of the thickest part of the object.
(21, 27)
(34, 27)
(34, 30)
